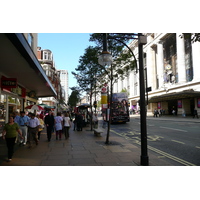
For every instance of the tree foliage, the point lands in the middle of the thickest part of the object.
(74, 98)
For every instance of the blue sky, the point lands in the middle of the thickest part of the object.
(66, 48)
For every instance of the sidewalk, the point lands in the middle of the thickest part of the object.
(178, 118)
(83, 149)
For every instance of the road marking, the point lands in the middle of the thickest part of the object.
(179, 160)
(178, 141)
(173, 129)
(171, 157)
(197, 147)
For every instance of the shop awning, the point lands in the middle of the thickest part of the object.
(19, 61)
(176, 95)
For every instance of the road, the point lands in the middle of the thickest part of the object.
(176, 140)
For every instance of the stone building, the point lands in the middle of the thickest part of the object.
(172, 65)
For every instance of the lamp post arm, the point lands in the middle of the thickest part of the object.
(109, 37)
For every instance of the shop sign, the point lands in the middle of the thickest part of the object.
(7, 83)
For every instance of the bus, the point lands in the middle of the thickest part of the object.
(119, 109)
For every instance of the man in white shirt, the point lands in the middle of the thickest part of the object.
(23, 121)
(33, 127)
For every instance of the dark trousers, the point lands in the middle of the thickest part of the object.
(10, 142)
(49, 132)
(39, 132)
(79, 126)
(66, 131)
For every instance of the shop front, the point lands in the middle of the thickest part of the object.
(23, 79)
(183, 102)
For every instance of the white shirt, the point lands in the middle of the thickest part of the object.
(66, 121)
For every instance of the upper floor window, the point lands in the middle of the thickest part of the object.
(30, 40)
(46, 55)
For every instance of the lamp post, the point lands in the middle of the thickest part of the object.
(104, 60)
(144, 159)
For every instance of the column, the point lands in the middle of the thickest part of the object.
(180, 46)
(196, 60)
(151, 75)
(160, 64)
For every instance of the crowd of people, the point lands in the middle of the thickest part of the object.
(26, 129)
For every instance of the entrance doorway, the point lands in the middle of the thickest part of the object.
(172, 104)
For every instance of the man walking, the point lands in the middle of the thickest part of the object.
(49, 121)
(23, 122)
(33, 127)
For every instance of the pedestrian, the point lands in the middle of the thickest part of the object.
(41, 127)
(95, 120)
(155, 113)
(53, 128)
(195, 114)
(10, 133)
(33, 126)
(16, 120)
(74, 121)
(66, 125)
(58, 125)
(23, 122)
(49, 122)
(79, 121)
(41, 115)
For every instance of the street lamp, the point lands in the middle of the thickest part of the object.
(104, 60)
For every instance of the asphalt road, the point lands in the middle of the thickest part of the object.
(178, 141)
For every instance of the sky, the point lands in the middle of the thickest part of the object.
(67, 49)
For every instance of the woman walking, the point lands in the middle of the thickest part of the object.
(58, 125)
(66, 124)
(41, 127)
(10, 132)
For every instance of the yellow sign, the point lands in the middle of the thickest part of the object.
(104, 99)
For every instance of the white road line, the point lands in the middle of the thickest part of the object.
(173, 129)
(178, 141)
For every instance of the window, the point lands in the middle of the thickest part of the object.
(46, 55)
(188, 59)
(30, 40)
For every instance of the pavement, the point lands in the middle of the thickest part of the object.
(83, 148)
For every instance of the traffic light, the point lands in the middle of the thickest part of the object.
(95, 104)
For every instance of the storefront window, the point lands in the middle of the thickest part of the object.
(2, 111)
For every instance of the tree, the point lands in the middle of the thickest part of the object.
(194, 37)
(74, 98)
(87, 72)
(123, 63)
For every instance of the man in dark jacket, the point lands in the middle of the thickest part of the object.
(49, 121)
(79, 121)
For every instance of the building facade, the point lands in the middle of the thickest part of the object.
(172, 68)
(64, 83)
(23, 80)
(56, 103)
